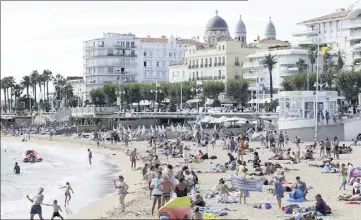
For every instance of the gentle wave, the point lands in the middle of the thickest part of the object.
(61, 164)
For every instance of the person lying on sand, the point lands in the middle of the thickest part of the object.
(356, 197)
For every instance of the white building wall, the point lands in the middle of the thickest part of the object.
(178, 73)
(157, 54)
(79, 88)
(108, 58)
(341, 34)
(285, 66)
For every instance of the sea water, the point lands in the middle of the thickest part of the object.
(60, 164)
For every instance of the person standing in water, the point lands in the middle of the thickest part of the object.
(122, 191)
(16, 168)
(90, 156)
(56, 209)
(36, 207)
(67, 188)
(133, 159)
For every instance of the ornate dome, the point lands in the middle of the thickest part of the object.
(216, 24)
(270, 32)
(240, 26)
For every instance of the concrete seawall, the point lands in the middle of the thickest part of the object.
(344, 132)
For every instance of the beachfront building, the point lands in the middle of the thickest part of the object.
(109, 59)
(286, 57)
(340, 30)
(156, 54)
(79, 88)
(178, 72)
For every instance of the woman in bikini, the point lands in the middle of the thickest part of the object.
(181, 188)
(67, 188)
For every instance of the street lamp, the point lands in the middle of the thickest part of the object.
(156, 91)
(197, 90)
(317, 84)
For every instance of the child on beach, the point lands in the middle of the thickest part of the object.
(278, 191)
(67, 188)
(343, 173)
(56, 209)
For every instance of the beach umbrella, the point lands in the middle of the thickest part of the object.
(163, 128)
(172, 128)
(124, 131)
(143, 129)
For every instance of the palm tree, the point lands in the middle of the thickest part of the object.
(34, 81)
(41, 82)
(4, 86)
(312, 56)
(340, 62)
(26, 83)
(47, 75)
(10, 85)
(59, 82)
(270, 61)
(301, 65)
(18, 90)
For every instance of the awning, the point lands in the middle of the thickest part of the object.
(7, 117)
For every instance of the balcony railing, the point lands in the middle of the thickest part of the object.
(205, 65)
(193, 66)
(219, 64)
(236, 63)
(197, 66)
(215, 64)
(223, 64)
(189, 67)
(210, 65)
(201, 66)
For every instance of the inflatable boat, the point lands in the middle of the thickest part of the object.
(32, 156)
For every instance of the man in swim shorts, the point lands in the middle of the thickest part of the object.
(16, 168)
(90, 156)
(36, 207)
(134, 158)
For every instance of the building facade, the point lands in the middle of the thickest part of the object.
(79, 88)
(287, 58)
(110, 59)
(178, 72)
(340, 30)
(156, 54)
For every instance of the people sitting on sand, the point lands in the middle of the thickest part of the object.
(308, 155)
(356, 197)
(198, 201)
(300, 185)
(345, 149)
(189, 180)
(269, 168)
(256, 160)
(231, 158)
(319, 209)
(356, 186)
(217, 188)
(223, 190)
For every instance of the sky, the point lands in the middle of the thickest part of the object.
(49, 35)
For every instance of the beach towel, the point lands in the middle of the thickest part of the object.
(213, 212)
(295, 195)
(238, 182)
(232, 198)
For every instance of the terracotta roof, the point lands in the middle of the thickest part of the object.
(332, 16)
(165, 40)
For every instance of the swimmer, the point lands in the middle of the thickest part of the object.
(16, 168)
(56, 209)
(36, 207)
(67, 188)
(90, 156)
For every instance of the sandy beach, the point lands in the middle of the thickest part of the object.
(139, 204)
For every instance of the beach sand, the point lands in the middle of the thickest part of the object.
(139, 204)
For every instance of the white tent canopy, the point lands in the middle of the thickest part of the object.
(193, 101)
